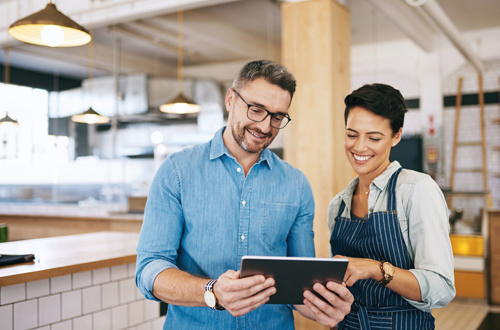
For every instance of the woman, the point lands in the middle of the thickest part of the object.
(391, 223)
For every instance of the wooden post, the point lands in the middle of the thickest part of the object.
(458, 105)
(483, 133)
(316, 49)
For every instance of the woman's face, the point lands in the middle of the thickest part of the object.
(368, 142)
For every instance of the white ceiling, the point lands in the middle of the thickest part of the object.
(219, 35)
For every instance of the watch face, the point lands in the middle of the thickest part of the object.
(388, 269)
(210, 299)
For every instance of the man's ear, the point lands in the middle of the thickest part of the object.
(230, 99)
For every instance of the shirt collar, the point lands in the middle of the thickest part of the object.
(383, 179)
(380, 182)
(218, 148)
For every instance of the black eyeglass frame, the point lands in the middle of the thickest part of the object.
(287, 116)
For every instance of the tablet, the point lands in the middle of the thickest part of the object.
(294, 275)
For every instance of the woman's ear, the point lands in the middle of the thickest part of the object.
(397, 137)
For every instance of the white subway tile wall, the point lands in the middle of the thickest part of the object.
(71, 304)
(49, 309)
(104, 299)
(66, 325)
(26, 315)
(81, 280)
(127, 290)
(119, 318)
(13, 293)
(38, 288)
(82, 323)
(118, 272)
(102, 320)
(6, 317)
(60, 284)
(136, 312)
(101, 276)
(91, 299)
(110, 295)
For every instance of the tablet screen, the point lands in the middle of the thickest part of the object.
(294, 275)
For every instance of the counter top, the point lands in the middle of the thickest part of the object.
(68, 211)
(58, 256)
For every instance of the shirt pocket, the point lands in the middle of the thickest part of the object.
(277, 220)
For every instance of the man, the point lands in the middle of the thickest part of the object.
(214, 203)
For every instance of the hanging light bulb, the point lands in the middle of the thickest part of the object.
(52, 35)
(180, 104)
(61, 30)
(90, 117)
(8, 121)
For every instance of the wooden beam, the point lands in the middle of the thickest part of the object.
(103, 60)
(458, 106)
(483, 130)
(407, 21)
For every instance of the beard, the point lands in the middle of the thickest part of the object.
(239, 136)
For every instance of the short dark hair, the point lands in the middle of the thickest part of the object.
(272, 72)
(382, 100)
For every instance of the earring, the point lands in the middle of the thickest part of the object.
(394, 144)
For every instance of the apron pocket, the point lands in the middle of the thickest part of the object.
(380, 322)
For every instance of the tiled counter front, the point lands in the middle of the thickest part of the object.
(101, 299)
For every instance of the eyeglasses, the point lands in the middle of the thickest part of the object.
(278, 120)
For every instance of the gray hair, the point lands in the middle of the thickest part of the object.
(272, 72)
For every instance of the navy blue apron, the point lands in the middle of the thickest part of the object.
(377, 237)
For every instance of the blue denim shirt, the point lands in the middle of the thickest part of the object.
(203, 215)
(423, 218)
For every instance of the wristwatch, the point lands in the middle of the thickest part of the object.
(388, 271)
(210, 298)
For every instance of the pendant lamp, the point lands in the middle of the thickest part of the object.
(8, 121)
(90, 117)
(180, 104)
(49, 27)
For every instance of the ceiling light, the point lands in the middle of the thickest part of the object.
(90, 117)
(180, 104)
(8, 121)
(49, 27)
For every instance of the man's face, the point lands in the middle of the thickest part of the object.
(251, 136)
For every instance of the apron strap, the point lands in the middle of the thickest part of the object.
(341, 209)
(391, 200)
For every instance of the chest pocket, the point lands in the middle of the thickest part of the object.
(277, 220)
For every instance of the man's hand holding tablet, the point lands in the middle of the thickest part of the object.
(313, 285)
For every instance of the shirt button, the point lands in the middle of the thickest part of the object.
(242, 237)
(238, 169)
(244, 203)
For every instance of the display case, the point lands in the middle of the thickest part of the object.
(468, 235)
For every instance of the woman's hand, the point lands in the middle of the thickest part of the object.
(361, 269)
(329, 314)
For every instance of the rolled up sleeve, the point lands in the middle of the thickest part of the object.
(161, 229)
(429, 240)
